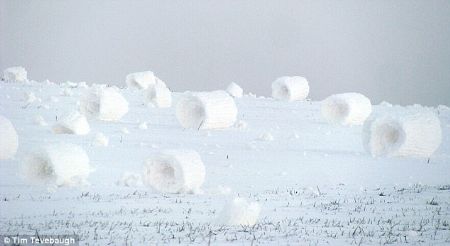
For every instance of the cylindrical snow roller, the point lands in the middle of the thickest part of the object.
(15, 74)
(159, 95)
(239, 211)
(408, 134)
(141, 80)
(346, 108)
(175, 171)
(235, 90)
(74, 123)
(206, 110)
(104, 103)
(62, 164)
(9, 141)
(290, 88)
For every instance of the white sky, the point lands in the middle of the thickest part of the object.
(398, 51)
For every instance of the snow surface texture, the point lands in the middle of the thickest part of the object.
(315, 182)
(412, 133)
(100, 140)
(239, 211)
(141, 80)
(62, 164)
(347, 108)
(15, 74)
(74, 123)
(175, 171)
(206, 110)
(9, 141)
(159, 95)
(290, 88)
(235, 90)
(104, 103)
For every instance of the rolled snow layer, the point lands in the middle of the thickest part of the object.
(206, 110)
(409, 134)
(290, 88)
(240, 212)
(141, 80)
(235, 90)
(347, 108)
(104, 103)
(15, 74)
(159, 95)
(74, 123)
(175, 171)
(9, 141)
(64, 164)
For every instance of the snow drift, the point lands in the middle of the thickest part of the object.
(415, 134)
(206, 110)
(235, 90)
(346, 108)
(9, 141)
(74, 123)
(159, 95)
(63, 164)
(240, 212)
(175, 171)
(103, 103)
(15, 74)
(290, 88)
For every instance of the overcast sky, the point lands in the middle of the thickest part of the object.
(397, 51)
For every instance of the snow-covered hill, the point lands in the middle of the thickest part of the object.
(314, 181)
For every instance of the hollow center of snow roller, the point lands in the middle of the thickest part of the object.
(93, 107)
(162, 176)
(193, 114)
(337, 110)
(283, 92)
(388, 137)
(41, 169)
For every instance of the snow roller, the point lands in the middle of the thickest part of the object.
(290, 88)
(346, 108)
(206, 110)
(175, 171)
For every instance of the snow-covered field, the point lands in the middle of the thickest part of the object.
(313, 180)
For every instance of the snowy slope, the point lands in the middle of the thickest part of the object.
(314, 181)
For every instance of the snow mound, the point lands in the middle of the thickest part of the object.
(240, 212)
(39, 120)
(74, 123)
(175, 171)
(241, 124)
(346, 109)
(62, 164)
(129, 179)
(9, 141)
(29, 97)
(15, 74)
(100, 140)
(143, 126)
(407, 133)
(206, 110)
(103, 103)
(235, 90)
(159, 95)
(141, 80)
(290, 88)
